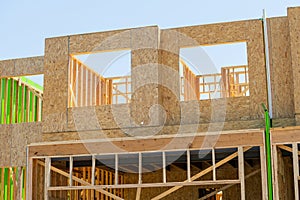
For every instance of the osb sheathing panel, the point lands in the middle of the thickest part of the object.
(22, 66)
(144, 76)
(242, 31)
(191, 112)
(281, 68)
(294, 28)
(14, 139)
(153, 57)
(103, 41)
(55, 84)
(5, 138)
(169, 87)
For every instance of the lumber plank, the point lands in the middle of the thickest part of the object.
(296, 170)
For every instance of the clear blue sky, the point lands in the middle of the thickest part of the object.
(26, 23)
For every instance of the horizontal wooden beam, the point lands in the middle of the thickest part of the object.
(145, 185)
(285, 135)
(251, 138)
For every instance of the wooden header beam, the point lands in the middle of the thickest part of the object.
(244, 138)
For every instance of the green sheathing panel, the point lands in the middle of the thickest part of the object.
(18, 102)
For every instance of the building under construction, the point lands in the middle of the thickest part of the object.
(161, 131)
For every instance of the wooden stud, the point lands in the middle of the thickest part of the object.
(2, 183)
(39, 109)
(188, 155)
(241, 172)
(214, 164)
(84, 178)
(275, 171)
(27, 105)
(98, 183)
(110, 182)
(98, 92)
(81, 87)
(77, 79)
(89, 180)
(91, 86)
(32, 107)
(116, 169)
(296, 170)
(17, 103)
(22, 103)
(164, 167)
(8, 181)
(47, 177)
(5, 101)
(70, 70)
(20, 178)
(263, 167)
(93, 169)
(14, 182)
(93, 92)
(103, 182)
(138, 192)
(11, 111)
(71, 171)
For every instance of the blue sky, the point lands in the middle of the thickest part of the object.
(26, 23)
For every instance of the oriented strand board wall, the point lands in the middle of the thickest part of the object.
(55, 84)
(22, 66)
(249, 31)
(155, 63)
(14, 139)
(294, 28)
(169, 79)
(145, 76)
(281, 68)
